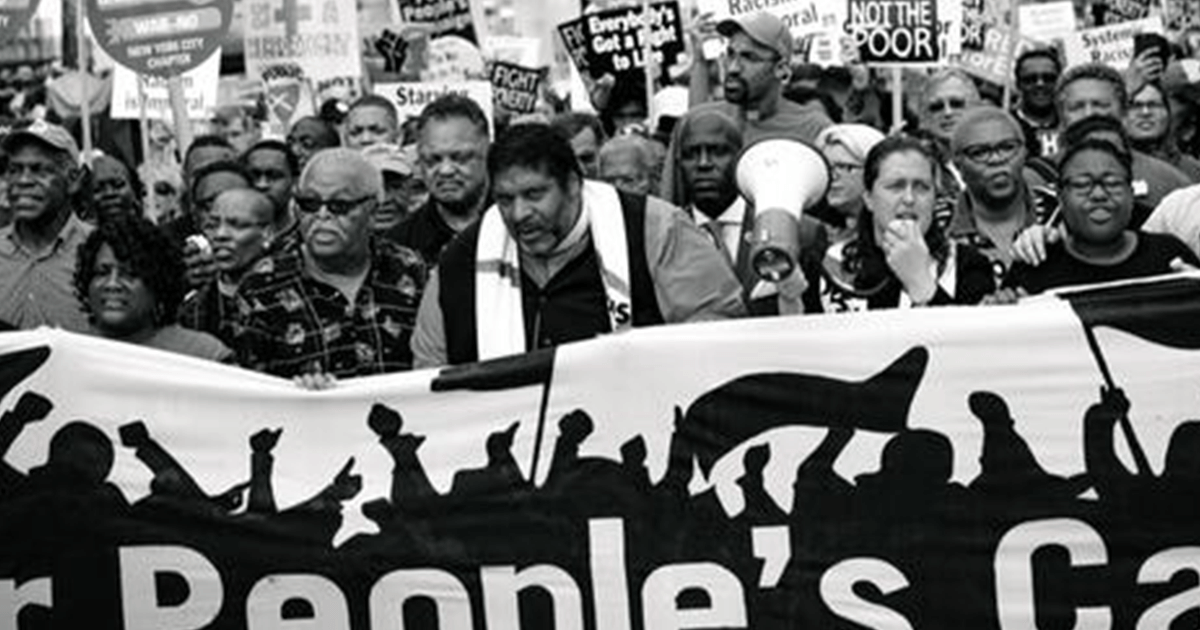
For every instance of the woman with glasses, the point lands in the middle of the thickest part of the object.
(845, 148)
(129, 281)
(1096, 197)
(1148, 123)
(899, 257)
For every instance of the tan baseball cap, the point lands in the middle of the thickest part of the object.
(46, 133)
(765, 28)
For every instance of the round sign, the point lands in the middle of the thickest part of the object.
(14, 15)
(160, 37)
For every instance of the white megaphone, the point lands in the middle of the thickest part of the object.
(781, 178)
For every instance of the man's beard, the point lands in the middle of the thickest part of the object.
(741, 92)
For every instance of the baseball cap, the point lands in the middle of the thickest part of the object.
(765, 28)
(389, 157)
(46, 133)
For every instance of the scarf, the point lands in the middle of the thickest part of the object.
(499, 312)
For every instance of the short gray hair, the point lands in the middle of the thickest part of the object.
(360, 172)
(979, 115)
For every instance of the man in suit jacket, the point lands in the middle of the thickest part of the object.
(707, 143)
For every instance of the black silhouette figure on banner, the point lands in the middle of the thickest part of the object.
(410, 484)
(759, 506)
(1008, 469)
(172, 485)
(1172, 496)
(501, 475)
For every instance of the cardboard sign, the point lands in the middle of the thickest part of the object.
(895, 32)
(318, 36)
(1111, 45)
(160, 37)
(613, 41)
(411, 98)
(516, 88)
(921, 468)
(199, 92)
(1048, 21)
(14, 16)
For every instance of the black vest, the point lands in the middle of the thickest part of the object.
(571, 307)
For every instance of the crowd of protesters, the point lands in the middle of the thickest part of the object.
(363, 244)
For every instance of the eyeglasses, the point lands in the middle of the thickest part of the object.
(998, 152)
(336, 207)
(1038, 77)
(842, 169)
(1085, 184)
(937, 107)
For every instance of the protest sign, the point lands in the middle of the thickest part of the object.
(454, 52)
(816, 26)
(320, 37)
(613, 41)
(1048, 21)
(14, 16)
(1111, 45)
(160, 37)
(1118, 11)
(411, 98)
(925, 468)
(894, 32)
(516, 87)
(994, 62)
(523, 51)
(199, 92)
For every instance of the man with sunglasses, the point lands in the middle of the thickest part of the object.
(758, 65)
(988, 149)
(1037, 70)
(344, 303)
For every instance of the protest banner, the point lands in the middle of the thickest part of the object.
(523, 51)
(14, 16)
(1111, 45)
(1048, 21)
(515, 87)
(924, 468)
(160, 37)
(411, 98)
(613, 41)
(895, 32)
(199, 92)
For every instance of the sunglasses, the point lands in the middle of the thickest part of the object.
(336, 207)
(937, 107)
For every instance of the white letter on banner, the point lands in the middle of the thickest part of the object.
(610, 581)
(663, 586)
(139, 594)
(837, 591)
(1159, 569)
(448, 595)
(1015, 601)
(502, 584)
(13, 598)
(264, 605)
